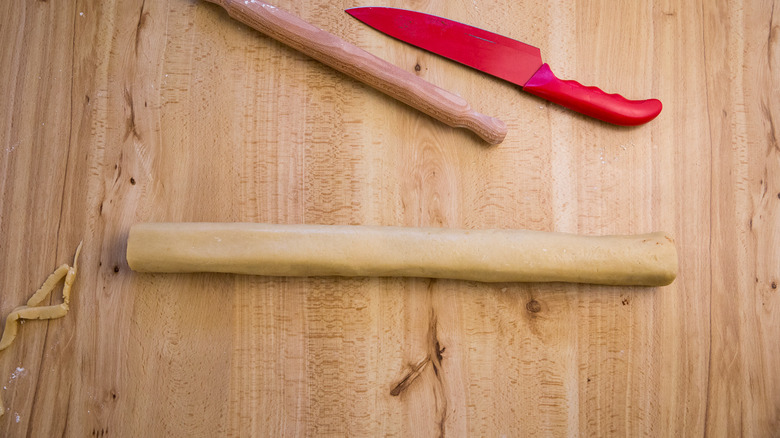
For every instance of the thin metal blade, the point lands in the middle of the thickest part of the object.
(485, 51)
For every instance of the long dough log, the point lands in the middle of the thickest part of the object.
(328, 250)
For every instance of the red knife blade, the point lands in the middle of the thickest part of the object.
(505, 58)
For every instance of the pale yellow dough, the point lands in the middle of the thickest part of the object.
(330, 250)
(32, 309)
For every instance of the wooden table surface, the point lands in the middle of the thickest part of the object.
(119, 112)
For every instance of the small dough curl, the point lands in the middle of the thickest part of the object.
(33, 310)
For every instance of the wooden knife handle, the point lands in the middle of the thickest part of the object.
(365, 67)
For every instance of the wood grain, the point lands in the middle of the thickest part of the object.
(119, 112)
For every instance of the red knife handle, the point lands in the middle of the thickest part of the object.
(591, 101)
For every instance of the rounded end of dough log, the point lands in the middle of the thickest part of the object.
(664, 257)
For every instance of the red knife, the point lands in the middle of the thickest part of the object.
(507, 59)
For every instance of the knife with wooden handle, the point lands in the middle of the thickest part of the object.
(395, 82)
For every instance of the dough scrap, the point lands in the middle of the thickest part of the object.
(33, 310)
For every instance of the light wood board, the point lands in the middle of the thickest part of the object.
(118, 112)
